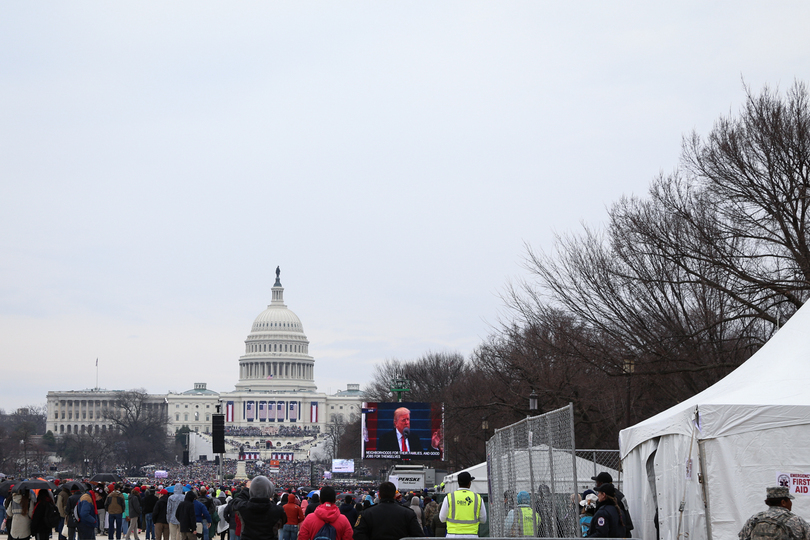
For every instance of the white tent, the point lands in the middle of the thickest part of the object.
(585, 470)
(752, 425)
(479, 485)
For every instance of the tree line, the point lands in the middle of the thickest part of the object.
(137, 436)
(677, 289)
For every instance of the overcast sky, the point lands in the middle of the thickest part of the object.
(158, 160)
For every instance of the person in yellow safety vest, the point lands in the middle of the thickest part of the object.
(463, 510)
(529, 519)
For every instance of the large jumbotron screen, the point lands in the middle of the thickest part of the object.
(403, 431)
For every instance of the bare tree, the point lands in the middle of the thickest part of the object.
(141, 427)
(334, 433)
(680, 287)
(20, 447)
(429, 376)
(349, 447)
(755, 169)
(738, 207)
(98, 449)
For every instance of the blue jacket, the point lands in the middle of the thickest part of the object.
(606, 522)
(201, 513)
(87, 517)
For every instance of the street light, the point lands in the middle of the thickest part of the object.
(485, 428)
(86, 467)
(533, 406)
(25, 454)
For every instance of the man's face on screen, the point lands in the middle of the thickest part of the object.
(403, 421)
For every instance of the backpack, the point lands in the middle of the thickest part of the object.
(76, 513)
(71, 516)
(327, 532)
(52, 516)
(772, 528)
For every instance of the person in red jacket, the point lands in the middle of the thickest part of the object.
(294, 517)
(326, 512)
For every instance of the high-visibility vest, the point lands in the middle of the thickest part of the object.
(528, 520)
(464, 509)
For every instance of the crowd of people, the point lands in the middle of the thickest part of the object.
(250, 431)
(259, 509)
(298, 431)
(268, 430)
(199, 509)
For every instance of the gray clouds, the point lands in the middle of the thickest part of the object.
(158, 161)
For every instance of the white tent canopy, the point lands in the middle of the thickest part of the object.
(479, 485)
(585, 470)
(752, 424)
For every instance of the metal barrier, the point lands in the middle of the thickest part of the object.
(592, 462)
(533, 479)
(508, 538)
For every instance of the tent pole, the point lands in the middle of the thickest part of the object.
(704, 483)
(682, 506)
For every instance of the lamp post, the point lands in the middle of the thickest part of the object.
(533, 405)
(400, 385)
(628, 368)
(86, 467)
(25, 457)
(455, 449)
(485, 429)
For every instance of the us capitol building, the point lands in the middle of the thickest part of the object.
(275, 403)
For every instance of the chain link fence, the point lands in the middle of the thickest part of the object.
(533, 477)
(592, 462)
(536, 476)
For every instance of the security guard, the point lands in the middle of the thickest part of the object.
(463, 510)
(525, 520)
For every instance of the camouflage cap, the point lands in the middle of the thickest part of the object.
(780, 492)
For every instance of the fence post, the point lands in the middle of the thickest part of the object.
(574, 455)
(551, 477)
(531, 485)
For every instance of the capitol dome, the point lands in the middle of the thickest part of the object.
(276, 318)
(276, 350)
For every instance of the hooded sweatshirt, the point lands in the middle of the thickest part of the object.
(185, 513)
(20, 508)
(294, 513)
(174, 501)
(326, 512)
(260, 518)
(417, 510)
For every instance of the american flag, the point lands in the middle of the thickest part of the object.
(293, 411)
(229, 412)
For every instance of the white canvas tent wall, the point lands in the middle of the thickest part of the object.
(753, 423)
(584, 472)
(563, 473)
(479, 485)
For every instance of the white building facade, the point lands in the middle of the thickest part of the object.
(275, 407)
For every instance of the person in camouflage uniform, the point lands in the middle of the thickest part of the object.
(779, 504)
